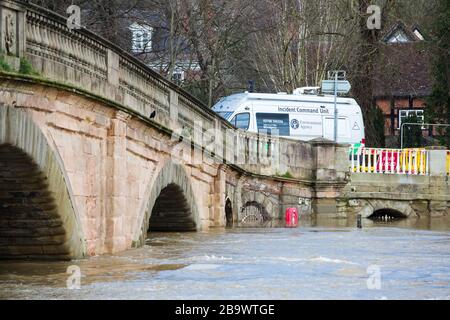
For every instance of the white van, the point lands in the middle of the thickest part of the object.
(298, 116)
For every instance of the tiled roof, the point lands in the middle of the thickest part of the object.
(403, 70)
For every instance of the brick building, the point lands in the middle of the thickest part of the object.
(403, 79)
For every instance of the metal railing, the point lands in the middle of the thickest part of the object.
(389, 161)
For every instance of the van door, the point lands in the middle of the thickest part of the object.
(328, 128)
(344, 135)
(343, 129)
(357, 129)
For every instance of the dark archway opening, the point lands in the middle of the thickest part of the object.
(254, 213)
(386, 215)
(30, 227)
(229, 213)
(171, 211)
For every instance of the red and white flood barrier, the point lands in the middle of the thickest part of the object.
(389, 161)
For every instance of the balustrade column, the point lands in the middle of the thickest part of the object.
(174, 109)
(113, 68)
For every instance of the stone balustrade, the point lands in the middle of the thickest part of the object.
(81, 59)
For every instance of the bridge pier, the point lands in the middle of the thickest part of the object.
(116, 183)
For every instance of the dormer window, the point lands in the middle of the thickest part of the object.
(400, 33)
(418, 34)
(398, 37)
(141, 38)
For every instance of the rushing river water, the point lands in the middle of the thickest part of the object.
(320, 260)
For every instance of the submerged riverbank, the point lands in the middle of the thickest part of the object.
(325, 259)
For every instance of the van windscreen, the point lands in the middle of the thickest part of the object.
(273, 123)
(241, 121)
(225, 115)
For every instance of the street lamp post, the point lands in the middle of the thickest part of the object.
(335, 84)
(335, 107)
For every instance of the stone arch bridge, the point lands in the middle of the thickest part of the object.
(85, 171)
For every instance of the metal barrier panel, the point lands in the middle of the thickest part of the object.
(448, 163)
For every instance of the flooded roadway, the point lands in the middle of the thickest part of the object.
(328, 259)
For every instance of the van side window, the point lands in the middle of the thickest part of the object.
(241, 121)
(273, 123)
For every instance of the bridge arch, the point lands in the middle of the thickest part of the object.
(387, 212)
(37, 217)
(171, 204)
(257, 208)
(254, 213)
(396, 209)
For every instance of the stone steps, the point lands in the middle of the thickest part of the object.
(11, 213)
(172, 226)
(23, 173)
(37, 252)
(36, 241)
(171, 214)
(177, 203)
(24, 207)
(23, 185)
(29, 223)
(27, 194)
(30, 201)
(171, 219)
(31, 232)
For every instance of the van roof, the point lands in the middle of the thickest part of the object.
(231, 102)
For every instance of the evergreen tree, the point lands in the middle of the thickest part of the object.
(438, 104)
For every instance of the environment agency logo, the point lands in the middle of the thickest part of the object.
(295, 124)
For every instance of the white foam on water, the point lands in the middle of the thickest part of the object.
(201, 266)
(329, 260)
(287, 259)
(315, 259)
(209, 258)
(213, 257)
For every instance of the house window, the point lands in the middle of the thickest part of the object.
(141, 38)
(178, 77)
(404, 114)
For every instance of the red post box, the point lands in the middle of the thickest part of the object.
(291, 217)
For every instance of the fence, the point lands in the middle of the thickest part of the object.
(390, 161)
(448, 163)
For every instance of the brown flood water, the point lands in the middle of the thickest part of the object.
(321, 259)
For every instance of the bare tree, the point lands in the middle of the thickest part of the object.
(300, 44)
(107, 18)
(216, 29)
